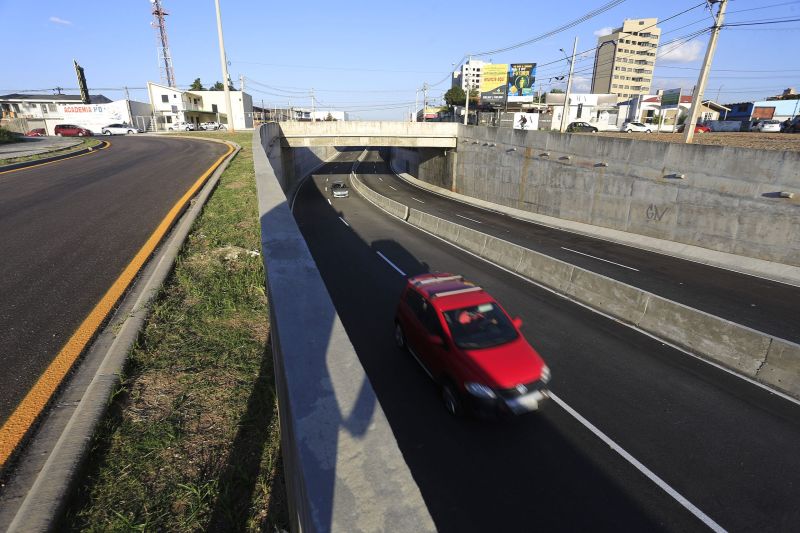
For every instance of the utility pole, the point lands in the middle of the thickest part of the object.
(416, 103)
(702, 78)
(313, 106)
(225, 77)
(424, 100)
(241, 82)
(565, 113)
(469, 90)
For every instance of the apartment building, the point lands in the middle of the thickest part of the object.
(469, 75)
(172, 106)
(625, 59)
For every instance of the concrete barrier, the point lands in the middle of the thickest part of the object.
(343, 468)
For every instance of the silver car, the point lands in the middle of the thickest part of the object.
(340, 190)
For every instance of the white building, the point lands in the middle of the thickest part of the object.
(171, 106)
(24, 112)
(469, 75)
(599, 110)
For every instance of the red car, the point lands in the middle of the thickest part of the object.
(37, 132)
(469, 345)
(698, 128)
(69, 130)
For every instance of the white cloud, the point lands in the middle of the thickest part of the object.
(581, 84)
(57, 20)
(686, 52)
(603, 31)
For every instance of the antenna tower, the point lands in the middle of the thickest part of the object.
(164, 56)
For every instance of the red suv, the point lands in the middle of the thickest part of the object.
(69, 130)
(470, 347)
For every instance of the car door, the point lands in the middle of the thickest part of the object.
(434, 354)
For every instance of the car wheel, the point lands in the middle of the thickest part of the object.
(221, 128)
(130, 132)
(450, 399)
(106, 132)
(59, 135)
(170, 129)
(628, 131)
(399, 336)
(80, 134)
(647, 131)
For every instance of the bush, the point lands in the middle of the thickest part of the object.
(9, 136)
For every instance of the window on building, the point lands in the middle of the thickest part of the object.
(174, 95)
(165, 98)
(214, 108)
(169, 119)
(44, 109)
(51, 108)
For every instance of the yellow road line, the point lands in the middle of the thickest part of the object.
(29, 409)
(94, 150)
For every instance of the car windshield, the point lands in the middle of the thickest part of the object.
(481, 326)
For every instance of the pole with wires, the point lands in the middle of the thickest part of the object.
(565, 113)
(226, 77)
(702, 78)
(469, 90)
(424, 101)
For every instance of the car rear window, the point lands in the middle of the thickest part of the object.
(479, 326)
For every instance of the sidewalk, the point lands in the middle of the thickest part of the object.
(37, 145)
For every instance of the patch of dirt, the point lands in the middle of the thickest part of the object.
(758, 141)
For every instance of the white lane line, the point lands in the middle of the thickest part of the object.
(416, 199)
(329, 201)
(689, 506)
(599, 259)
(391, 264)
(380, 178)
(467, 218)
(392, 188)
(344, 222)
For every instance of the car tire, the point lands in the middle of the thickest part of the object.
(106, 132)
(400, 336)
(130, 132)
(628, 131)
(80, 134)
(59, 134)
(647, 131)
(170, 129)
(221, 128)
(450, 399)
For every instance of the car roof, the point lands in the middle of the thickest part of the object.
(448, 291)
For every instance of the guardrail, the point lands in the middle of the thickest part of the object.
(770, 360)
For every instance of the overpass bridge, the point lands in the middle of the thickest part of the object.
(359, 134)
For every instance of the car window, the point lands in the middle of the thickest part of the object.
(480, 326)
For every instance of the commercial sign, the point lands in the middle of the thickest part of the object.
(493, 83)
(526, 121)
(763, 113)
(670, 98)
(520, 82)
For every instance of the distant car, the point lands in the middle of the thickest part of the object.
(339, 190)
(468, 344)
(184, 126)
(698, 128)
(766, 126)
(36, 132)
(120, 129)
(630, 127)
(212, 126)
(581, 127)
(70, 130)
(791, 126)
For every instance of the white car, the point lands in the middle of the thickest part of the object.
(184, 126)
(119, 129)
(629, 127)
(339, 190)
(766, 126)
(212, 126)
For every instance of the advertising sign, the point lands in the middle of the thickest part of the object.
(493, 83)
(763, 113)
(526, 121)
(520, 82)
(670, 98)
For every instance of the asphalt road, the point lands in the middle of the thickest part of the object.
(67, 230)
(726, 446)
(758, 303)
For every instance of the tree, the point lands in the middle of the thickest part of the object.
(556, 91)
(197, 85)
(217, 86)
(474, 97)
(329, 117)
(455, 96)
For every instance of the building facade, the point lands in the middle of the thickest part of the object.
(625, 59)
(469, 75)
(172, 106)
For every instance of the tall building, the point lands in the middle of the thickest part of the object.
(625, 59)
(470, 74)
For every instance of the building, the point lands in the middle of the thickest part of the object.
(24, 112)
(764, 110)
(625, 59)
(469, 75)
(599, 110)
(172, 106)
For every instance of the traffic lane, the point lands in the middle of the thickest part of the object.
(758, 303)
(697, 427)
(67, 230)
(473, 476)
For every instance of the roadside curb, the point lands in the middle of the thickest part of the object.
(36, 162)
(50, 467)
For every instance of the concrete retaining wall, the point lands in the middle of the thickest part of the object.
(343, 468)
(770, 360)
(432, 165)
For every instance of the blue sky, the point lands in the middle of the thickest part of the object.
(369, 57)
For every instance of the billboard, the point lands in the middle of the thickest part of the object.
(520, 82)
(526, 121)
(493, 83)
(670, 98)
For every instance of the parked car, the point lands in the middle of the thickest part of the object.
(791, 126)
(36, 132)
(70, 130)
(181, 126)
(120, 129)
(698, 128)
(339, 190)
(630, 127)
(766, 126)
(581, 127)
(212, 126)
(469, 345)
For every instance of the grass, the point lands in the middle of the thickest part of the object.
(85, 143)
(192, 440)
(7, 136)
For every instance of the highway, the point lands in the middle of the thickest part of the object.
(67, 231)
(638, 436)
(761, 304)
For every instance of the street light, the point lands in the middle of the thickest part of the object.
(569, 84)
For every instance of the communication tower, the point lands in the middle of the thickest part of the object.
(164, 56)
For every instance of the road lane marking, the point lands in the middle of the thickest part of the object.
(92, 151)
(380, 178)
(599, 258)
(416, 199)
(29, 409)
(344, 222)
(392, 264)
(329, 201)
(472, 219)
(689, 506)
(392, 188)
